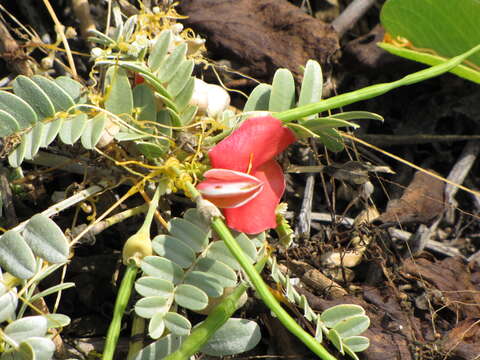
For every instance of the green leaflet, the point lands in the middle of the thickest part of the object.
(33, 94)
(282, 96)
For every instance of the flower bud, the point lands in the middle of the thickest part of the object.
(137, 247)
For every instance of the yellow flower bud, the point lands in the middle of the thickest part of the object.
(137, 247)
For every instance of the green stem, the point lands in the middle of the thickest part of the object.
(126, 285)
(262, 289)
(372, 91)
(217, 317)
(121, 303)
(136, 343)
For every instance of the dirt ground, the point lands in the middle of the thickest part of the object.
(414, 265)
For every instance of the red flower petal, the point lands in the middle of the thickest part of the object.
(229, 188)
(258, 214)
(257, 140)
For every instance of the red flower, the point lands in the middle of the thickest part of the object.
(246, 181)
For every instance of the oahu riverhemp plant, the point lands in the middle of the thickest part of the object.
(146, 99)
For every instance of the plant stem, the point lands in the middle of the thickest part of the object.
(217, 317)
(126, 285)
(372, 91)
(121, 303)
(136, 343)
(262, 289)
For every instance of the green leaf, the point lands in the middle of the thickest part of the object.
(234, 337)
(334, 315)
(350, 352)
(147, 307)
(189, 234)
(8, 124)
(448, 27)
(159, 50)
(50, 131)
(183, 98)
(319, 330)
(173, 249)
(129, 27)
(356, 343)
(73, 88)
(177, 324)
(16, 256)
(193, 215)
(93, 131)
(34, 139)
(162, 268)
(151, 150)
(16, 157)
(332, 140)
(42, 347)
(20, 110)
(336, 340)
(352, 326)
(283, 91)
(187, 115)
(46, 239)
(118, 92)
(8, 304)
(218, 250)
(26, 327)
(258, 99)
(60, 99)
(52, 290)
(164, 118)
(356, 115)
(100, 37)
(55, 321)
(179, 81)
(330, 122)
(144, 103)
(72, 128)
(170, 66)
(191, 297)
(312, 85)
(206, 282)
(34, 95)
(156, 325)
(161, 348)
(23, 352)
(128, 136)
(153, 286)
(224, 274)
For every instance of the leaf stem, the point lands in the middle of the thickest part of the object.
(372, 91)
(262, 289)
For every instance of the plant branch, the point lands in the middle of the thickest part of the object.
(262, 289)
(372, 91)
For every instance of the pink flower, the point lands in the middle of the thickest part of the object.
(246, 181)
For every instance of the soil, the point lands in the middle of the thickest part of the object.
(415, 269)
